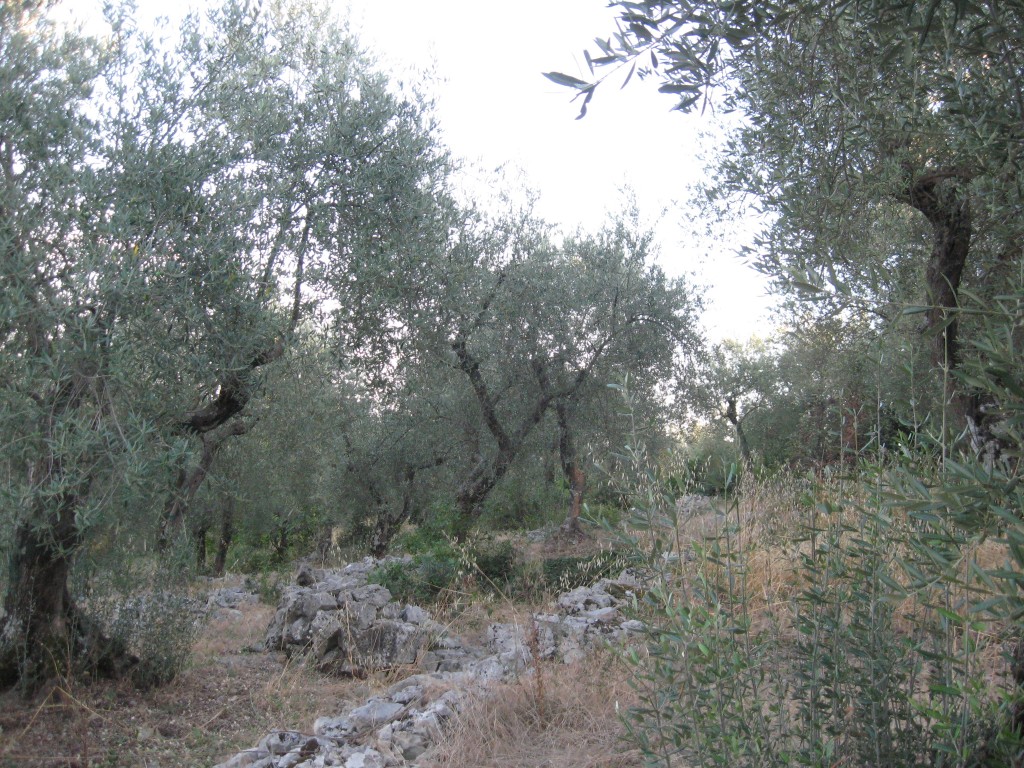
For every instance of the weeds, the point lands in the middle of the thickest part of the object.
(874, 649)
(574, 725)
(489, 566)
(159, 628)
(865, 618)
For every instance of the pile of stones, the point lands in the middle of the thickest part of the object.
(346, 626)
(226, 603)
(343, 625)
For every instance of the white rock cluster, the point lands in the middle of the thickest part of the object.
(347, 626)
(350, 627)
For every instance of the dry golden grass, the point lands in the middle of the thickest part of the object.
(556, 716)
(763, 530)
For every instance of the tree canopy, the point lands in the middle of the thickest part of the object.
(157, 207)
(234, 256)
(880, 137)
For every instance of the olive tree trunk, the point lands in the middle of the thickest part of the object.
(944, 202)
(574, 476)
(43, 634)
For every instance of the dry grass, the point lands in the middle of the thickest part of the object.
(764, 529)
(766, 525)
(556, 716)
(224, 702)
(233, 693)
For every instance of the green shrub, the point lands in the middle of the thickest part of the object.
(524, 503)
(268, 585)
(167, 628)
(603, 514)
(562, 574)
(158, 627)
(420, 581)
(253, 558)
(839, 670)
(492, 565)
(495, 561)
(431, 533)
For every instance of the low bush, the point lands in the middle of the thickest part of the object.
(157, 627)
(496, 562)
(420, 581)
(602, 514)
(524, 503)
(564, 573)
(431, 533)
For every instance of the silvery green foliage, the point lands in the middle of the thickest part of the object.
(842, 101)
(169, 212)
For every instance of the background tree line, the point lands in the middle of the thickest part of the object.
(880, 139)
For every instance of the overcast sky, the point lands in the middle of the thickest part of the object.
(484, 63)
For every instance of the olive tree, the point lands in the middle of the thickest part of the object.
(167, 218)
(899, 117)
(736, 380)
(529, 325)
(855, 115)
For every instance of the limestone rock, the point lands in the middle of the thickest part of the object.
(345, 625)
(693, 505)
(281, 742)
(247, 759)
(369, 758)
(305, 577)
(584, 599)
(230, 598)
(359, 651)
(375, 713)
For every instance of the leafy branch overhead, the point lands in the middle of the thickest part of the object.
(686, 44)
(694, 46)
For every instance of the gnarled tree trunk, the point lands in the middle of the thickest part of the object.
(43, 634)
(227, 532)
(941, 197)
(490, 469)
(388, 523)
(943, 203)
(189, 481)
(199, 539)
(732, 416)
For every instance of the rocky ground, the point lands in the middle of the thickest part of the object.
(339, 674)
(342, 625)
(231, 693)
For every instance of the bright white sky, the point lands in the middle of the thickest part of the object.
(497, 109)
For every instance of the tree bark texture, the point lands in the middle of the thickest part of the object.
(942, 201)
(189, 481)
(732, 415)
(43, 635)
(574, 476)
(490, 469)
(227, 532)
(390, 520)
(199, 539)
